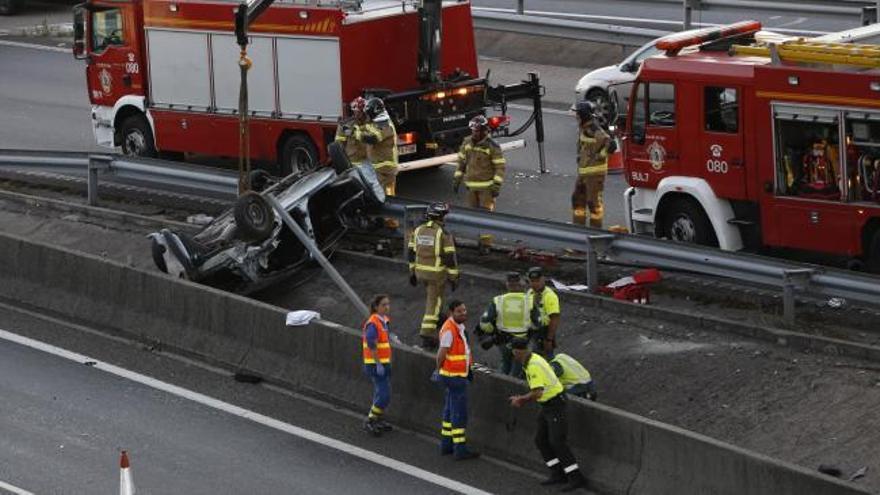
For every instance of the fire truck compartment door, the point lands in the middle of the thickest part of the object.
(227, 74)
(179, 72)
(309, 80)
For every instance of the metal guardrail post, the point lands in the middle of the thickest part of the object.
(520, 7)
(316, 253)
(596, 245)
(97, 163)
(791, 280)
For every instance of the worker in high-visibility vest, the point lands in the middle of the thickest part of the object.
(594, 146)
(545, 313)
(454, 372)
(355, 149)
(546, 389)
(376, 344)
(506, 317)
(432, 263)
(574, 377)
(481, 167)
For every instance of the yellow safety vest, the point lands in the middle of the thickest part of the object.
(539, 373)
(512, 313)
(573, 372)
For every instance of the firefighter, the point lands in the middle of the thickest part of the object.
(355, 149)
(544, 312)
(381, 139)
(574, 377)
(548, 392)
(481, 167)
(377, 362)
(454, 371)
(594, 145)
(506, 318)
(432, 263)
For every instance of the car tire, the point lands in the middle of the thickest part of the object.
(685, 221)
(136, 137)
(254, 217)
(872, 258)
(158, 252)
(338, 158)
(298, 155)
(8, 7)
(599, 97)
(259, 179)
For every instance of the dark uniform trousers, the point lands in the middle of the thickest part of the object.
(552, 434)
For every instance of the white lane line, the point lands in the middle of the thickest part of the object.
(249, 415)
(35, 46)
(14, 489)
(527, 108)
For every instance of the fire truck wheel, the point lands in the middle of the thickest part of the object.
(685, 221)
(298, 154)
(253, 217)
(137, 137)
(873, 254)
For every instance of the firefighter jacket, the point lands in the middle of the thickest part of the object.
(509, 314)
(593, 145)
(381, 139)
(480, 164)
(570, 371)
(432, 251)
(355, 149)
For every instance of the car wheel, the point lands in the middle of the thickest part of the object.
(158, 252)
(254, 218)
(259, 180)
(873, 254)
(7, 7)
(137, 137)
(599, 97)
(298, 155)
(685, 221)
(338, 158)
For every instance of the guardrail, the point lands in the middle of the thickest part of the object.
(599, 245)
(827, 7)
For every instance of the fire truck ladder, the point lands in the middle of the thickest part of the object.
(858, 55)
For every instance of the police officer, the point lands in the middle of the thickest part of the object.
(355, 149)
(544, 312)
(506, 317)
(381, 138)
(594, 145)
(453, 371)
(548, 392)
(574, 377)
(432, 263)
(481, 167)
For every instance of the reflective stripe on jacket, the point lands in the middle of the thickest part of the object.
(573, 372)
(593, 152)
(383, 346)
(480, 164)
(431, 245)
(355, 149)
(384, 153)
(458, 357)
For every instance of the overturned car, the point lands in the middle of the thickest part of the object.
(249, 247)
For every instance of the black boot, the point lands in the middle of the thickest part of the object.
(372, 427)
(384, 426)
(576, 481)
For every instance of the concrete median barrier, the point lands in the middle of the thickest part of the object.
(620, 452)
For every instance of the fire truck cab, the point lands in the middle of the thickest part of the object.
(163, 75)
(736, 145)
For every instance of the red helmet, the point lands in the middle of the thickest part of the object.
(358, 104)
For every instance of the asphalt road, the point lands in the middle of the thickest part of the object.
(668, 15)
(65, 423)
(45, 106)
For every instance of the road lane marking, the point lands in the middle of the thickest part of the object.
(35, 46)
(249, 415)
(14, 489)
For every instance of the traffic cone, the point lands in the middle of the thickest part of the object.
(126, 486)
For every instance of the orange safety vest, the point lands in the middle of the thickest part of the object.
(458, 359)
(383, 348)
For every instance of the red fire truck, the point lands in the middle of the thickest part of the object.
(163, 75)
(736, 144)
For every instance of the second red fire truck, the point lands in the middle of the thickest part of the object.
(163, 75)
(738, 144)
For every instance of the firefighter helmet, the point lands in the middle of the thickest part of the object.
(374, 107)
(358, 104)
(437, 210)
(586, 110)
(479, 122)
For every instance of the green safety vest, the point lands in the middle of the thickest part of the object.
(512, 313)
(573, 372)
